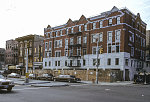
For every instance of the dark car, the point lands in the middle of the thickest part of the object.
(68, 78)
(45, 77)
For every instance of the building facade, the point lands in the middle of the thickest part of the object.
(35, 53)
(147, 66)
(73, 46)
(2, 58)
(11, 52)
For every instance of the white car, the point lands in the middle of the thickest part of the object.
(6, 84)
(14, 75)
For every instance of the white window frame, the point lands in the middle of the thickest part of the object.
(84, 39)
(117, 35)
(71, 41)
(93, 38)
(85, 27)
(66, 52)
(50, 45)
(101, 37)
(94, 25)
(110, 22)
(80, 28)
(100, 24)
(109, 36)
(46, 43)
(93, 50)
(56, 52)
(79, 40)
(132, 51)
(72, 30)
(118, 20)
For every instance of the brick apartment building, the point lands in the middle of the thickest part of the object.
(72, 48)
(35, 52)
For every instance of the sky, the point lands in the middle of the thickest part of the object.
(23, 17)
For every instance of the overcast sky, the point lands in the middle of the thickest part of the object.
(22, 17)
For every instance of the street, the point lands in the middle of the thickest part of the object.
(78, 93)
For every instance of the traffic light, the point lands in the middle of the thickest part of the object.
(28, 44)
(101, 50)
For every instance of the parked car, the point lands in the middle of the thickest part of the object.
(32, 76)
(14, 75)
(6, 84)
(68, 78)
(45, 77)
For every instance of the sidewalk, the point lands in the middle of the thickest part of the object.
(38, 83)
(109, 83)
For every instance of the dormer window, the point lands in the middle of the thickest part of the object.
(110, 22)
(72, 30)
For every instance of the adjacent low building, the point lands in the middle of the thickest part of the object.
(71, 48)
(2, 58)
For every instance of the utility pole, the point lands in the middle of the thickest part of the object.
(97, 64)
(27, 74)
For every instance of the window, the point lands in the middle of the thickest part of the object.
(93, 38)
(84, 62)
(84, 39)
(66, 42)
(45, 64)
(94, 62)
(116, 61)
(79, 40)
(57, 53)
(101, 37)
(55, 63)
(101, 24)
(50, 53)
(66, 52)
(49, 63)
(51, 35)
(67, 30)
(58, 63)
(108, 61)
(94, 50)
(94, 25)
(126, 62)
(58, 43)
(131, 63)
(143, 42)
(117, 48)
(132, 51)
(50, 45)
(109, 48)
(109, 36)
(71, 41)
(72, 30)
(80, 28)
(66, 63)
(78, 52)
(71, 52)
(118, 20)
(84, 51)
(35, 50)
(117, 34)
(61, 32)
(85, 27)
(46, 43)
(56, 33)
(110, 22)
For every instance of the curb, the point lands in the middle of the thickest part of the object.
(49, 85)
(31, 83)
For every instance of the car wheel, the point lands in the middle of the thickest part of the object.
(9, 89)
(69, 81)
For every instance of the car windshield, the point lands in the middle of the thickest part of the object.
(1, 76)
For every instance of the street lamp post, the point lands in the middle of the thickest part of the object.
(26, 78)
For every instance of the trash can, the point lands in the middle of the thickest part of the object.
(93, 81)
